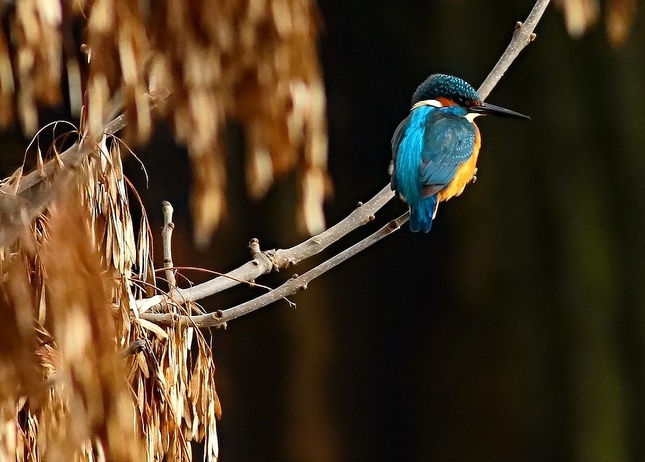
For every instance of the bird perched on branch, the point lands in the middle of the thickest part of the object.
(435, 148)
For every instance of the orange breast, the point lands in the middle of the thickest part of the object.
(464, 174)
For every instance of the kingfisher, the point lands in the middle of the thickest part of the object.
(435, 148)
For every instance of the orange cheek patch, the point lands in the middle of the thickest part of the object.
(445, 102)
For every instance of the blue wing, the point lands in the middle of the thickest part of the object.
(428, 148)
(448, 142)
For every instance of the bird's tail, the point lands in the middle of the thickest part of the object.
(422, 215)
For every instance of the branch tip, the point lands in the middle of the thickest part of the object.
(254, 247)
(166, 237)
(135, 347)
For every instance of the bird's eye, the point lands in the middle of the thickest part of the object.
(460, 100)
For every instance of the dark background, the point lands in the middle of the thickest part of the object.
(515, 330)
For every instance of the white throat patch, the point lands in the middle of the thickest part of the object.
(470, 117)
(427, 102)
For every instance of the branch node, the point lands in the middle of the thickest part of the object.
(360, 204)
(518, 25)
(532, 37)
(254, 247)
(135, 347)
(371, 218)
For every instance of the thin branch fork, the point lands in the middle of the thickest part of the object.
(271, 260)
(264, 262)
(292, 286)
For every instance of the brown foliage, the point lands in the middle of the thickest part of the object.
(198, 62)
(67, 391)
(67, 285)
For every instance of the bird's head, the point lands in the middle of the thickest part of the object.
(442, 90)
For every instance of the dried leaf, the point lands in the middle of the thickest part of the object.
(152, 327)
(208, 60)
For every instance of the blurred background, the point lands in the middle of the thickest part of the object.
(514, 330)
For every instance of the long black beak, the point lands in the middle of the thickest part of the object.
(485, 108)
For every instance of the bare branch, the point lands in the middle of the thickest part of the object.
(293, 285)
(363, 214)
(522, 36)
(265, 262)
(166, 238)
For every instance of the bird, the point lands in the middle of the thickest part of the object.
(435, 148)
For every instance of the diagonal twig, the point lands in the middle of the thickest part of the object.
(293, 285)
(522, 36)
(265, 262)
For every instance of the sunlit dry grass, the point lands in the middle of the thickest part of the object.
(72, 400)
(67, 389)
(82, 377)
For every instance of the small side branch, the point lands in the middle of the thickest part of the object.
(166, 238)
(293, 285)
(522, 36)
(265, 262)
